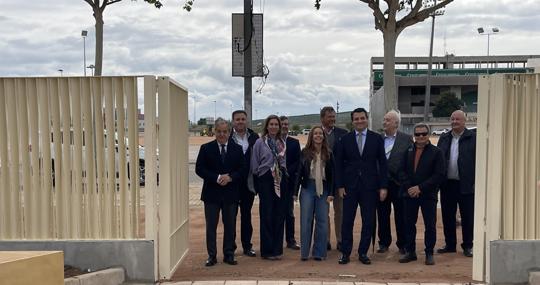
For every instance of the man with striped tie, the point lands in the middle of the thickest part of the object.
(396, 144)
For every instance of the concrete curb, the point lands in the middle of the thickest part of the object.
(111, 276)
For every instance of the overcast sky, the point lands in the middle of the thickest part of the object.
(315, 58)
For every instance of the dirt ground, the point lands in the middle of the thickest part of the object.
(453, 267)
(449, 268)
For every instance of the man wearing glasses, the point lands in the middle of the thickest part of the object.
(422, 171)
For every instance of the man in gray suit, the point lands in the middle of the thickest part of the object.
(333, 134)
(396, 144)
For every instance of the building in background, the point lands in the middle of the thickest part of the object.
(450, 73)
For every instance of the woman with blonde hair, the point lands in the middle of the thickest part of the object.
(316, 176)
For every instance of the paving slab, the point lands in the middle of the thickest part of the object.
(273, 282)
(241, 282)
(209, 282)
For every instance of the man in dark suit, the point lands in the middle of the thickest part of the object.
(246, 138)
(422, 171)
(459, 149)
(292, 158)
(221, 165)
(361, 173)
(333, 134)
(396, 144)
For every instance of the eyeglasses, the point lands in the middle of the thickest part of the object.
(421, 134)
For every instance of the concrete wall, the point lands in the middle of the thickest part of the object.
(135, 256)
(512, 260)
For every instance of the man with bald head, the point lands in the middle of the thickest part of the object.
(396, 144)
(459, 149)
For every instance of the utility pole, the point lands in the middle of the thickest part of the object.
(248, 98)
(427, 98)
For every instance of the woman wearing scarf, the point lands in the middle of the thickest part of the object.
(269, 170)
(316, 177)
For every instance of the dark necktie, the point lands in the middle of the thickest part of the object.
(223, 153)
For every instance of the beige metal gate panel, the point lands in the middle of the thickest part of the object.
(45, 224)
(508, 164)
(4, 174)
(173, 226)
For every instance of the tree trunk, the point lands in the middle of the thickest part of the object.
(389, 79)
(98, 15)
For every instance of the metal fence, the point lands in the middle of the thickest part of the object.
(71, 164)
(507, 201)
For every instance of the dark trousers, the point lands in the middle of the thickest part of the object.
(246, 228)
(429, 213)
(451, 197)
(211, 215)
(289, 214)
(384, 209)
(272, 215)
(367, 199)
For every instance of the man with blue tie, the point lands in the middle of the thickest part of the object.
(222, 166)
(361, 177)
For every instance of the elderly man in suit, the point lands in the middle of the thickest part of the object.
(333, 134)
(361, 173)
(422, 171)
(396, 144)
(459, 149)
(222, 166)
(292, 158)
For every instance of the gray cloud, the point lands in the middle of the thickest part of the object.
(315, 58)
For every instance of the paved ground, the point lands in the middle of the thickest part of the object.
(293, 282)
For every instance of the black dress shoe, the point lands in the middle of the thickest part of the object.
(293, 245)
(328, 246)
(318, 258)
(407, 257)
(446, 249)
(382, 249)
(230, 260)
(467, 252)
(249, 252)
(304, 258)
(211, 261)
(270, 258)
(429, 259)
(364, 259)
(344, 259)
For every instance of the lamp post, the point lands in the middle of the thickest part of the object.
(84, 33)
(215, 116)
(61, 72)
(91, 66)
(427, 98)
(488, 33)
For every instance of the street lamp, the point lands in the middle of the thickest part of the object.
(91, 66)
(488, 33)
(61, 72)
(427, 98)
(215, 117)
(84, 33)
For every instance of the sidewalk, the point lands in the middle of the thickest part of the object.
(275, 282)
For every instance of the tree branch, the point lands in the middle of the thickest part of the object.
(91, 3)
(419, 16)
(380, 20)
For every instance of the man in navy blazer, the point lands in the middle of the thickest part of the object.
(292, 158)
(222, 166)
(361, 177)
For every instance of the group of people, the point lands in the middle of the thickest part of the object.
(358, 169)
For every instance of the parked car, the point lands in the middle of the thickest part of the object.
(306, 131)
(439, 132)
(293, 133)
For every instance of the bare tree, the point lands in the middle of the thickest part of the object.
(391, 27)
(98, 8)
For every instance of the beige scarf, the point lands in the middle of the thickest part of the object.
(317, 166)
